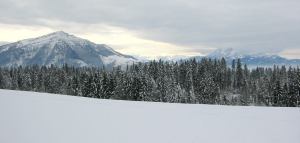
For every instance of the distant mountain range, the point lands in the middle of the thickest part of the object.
(60, 48)
(174, 58)
(252, 60)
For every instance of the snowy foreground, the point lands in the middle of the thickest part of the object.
(28, 117)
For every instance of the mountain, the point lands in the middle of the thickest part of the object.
(227, 53)
(174, 58)
(252, 60)
(3, 43)
(60, 48)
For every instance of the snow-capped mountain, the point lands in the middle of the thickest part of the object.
(3, 43)
(252, 59)
(60, 48)
(174, 58)
(226, 53)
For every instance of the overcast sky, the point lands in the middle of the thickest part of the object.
(161, 27)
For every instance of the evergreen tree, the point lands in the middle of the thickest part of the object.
(277, 93)
(239, 75)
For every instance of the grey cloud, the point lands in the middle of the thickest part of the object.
(256, 25)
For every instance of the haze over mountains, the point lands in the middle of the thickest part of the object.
(60, 48)
(258, 59)
(251, 59)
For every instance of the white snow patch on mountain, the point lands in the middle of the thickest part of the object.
(237, 53)
(117, 60)
(28, 117)
(174, 58)
(3, 43)
(225, 52)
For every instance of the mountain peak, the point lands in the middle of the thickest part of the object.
(225, 52)
(59, 33)
(54, 38)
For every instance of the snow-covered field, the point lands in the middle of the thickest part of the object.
(28, 117)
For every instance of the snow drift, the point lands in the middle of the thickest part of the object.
(28, 117)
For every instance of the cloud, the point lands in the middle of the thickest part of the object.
(197, 25)
(120, 39)
(290, 53)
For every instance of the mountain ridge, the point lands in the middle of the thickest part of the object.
(60, 48)
(252, 59)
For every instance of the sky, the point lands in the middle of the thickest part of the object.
(154, 28)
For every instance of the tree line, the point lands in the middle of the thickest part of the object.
(209, 81)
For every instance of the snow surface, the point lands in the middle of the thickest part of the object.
(28, 117)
